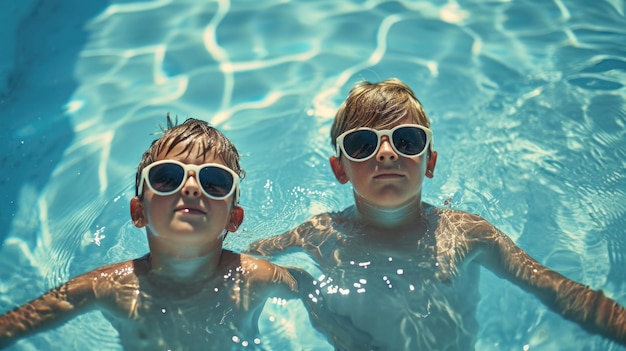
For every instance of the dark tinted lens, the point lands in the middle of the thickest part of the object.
(409, 140)
(216, 181)
(360, 144)
(166, 177)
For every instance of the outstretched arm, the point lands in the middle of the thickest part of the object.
(269, 247)
(310, 236)
(114, 287)
(48, 311)
(590, 308)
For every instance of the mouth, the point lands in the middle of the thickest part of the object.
(383, 176)
(190, 210)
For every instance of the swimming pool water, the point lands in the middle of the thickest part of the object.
(526, 98)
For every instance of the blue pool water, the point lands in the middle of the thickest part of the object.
(527, 101)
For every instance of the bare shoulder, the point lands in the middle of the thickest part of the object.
(118, 268)
(107, 283)
(462, 223)
(122, 271)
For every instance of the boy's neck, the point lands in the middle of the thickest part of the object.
(389, 217)
(184, 269)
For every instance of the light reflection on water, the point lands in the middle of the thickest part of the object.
(527, 103)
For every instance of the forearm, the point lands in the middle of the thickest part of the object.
(48, 311)
(271, 246)
(309, 236)
(574, 301)
(36, 315)
(592, 310)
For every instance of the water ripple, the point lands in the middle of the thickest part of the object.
(527, 106)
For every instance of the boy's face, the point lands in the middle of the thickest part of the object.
(386, 180)
(187, 217)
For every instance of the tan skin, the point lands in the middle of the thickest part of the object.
(185, 230)
(386, 181)
(406, 273)
(187, 293)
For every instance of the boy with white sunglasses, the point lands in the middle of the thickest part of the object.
(188, 293)
(401, 270)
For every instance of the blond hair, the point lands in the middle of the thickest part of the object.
(377, 105)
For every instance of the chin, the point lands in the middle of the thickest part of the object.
(395, 203)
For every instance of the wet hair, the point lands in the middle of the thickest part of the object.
(193, 132)
(377, 105)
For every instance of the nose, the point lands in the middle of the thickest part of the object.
(386, 151)
(191, 188)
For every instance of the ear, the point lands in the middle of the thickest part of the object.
(337, 167)
(236, 217)
(138, 213)
(430, 165)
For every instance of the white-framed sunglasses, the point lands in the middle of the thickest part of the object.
(166, 177)
(361, 144)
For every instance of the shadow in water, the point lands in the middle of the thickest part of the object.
(36, 131)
